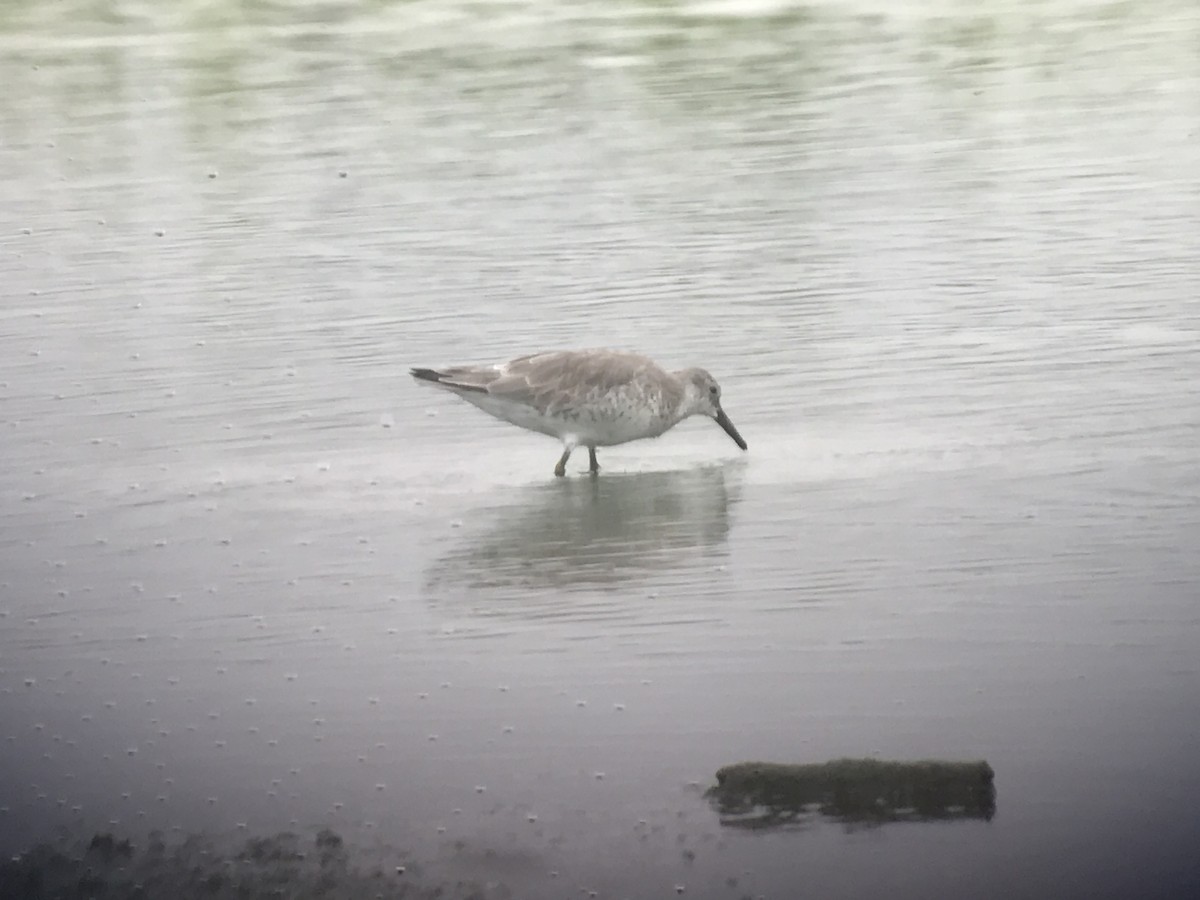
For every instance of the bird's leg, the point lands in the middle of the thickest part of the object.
(593, 466)
(561, 469)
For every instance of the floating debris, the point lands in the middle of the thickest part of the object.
(871, 791)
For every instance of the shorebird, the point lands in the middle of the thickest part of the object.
(586, 398)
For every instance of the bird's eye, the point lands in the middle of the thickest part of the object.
(713, 390)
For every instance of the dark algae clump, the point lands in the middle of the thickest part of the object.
(869, 791)
(108, 867)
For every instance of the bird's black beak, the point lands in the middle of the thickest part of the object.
(723, 421)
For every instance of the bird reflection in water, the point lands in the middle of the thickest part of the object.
(594, 533)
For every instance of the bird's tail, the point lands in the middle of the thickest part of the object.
(426, 375)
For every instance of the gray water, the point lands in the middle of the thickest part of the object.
(942, 257)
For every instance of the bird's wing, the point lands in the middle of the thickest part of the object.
(549, 381)
(545, 381)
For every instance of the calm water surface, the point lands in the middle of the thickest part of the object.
(943, 258)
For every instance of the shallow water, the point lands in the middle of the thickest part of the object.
(943, 262)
